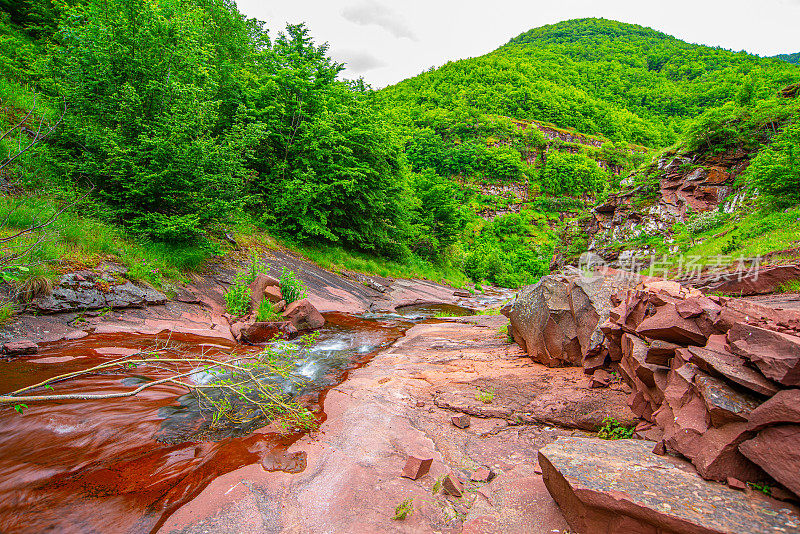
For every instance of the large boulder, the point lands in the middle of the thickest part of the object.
(775, 354)
(784, 407)
(542, 316)
(590, 303)
(760, 282)
(304, 316)
(621, 486)
(732, 367)
(777, 451)
(20, 347)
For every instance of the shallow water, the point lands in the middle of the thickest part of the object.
(124, 465)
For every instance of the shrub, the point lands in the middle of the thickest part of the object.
(612, 429)
(6, 312)
(266, 313)
(731, 246)
(292, 289)
(485, 397)
(702, 222)
(403, 510)
(237, 299)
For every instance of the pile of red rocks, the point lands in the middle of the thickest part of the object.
(713, 378)
(299, 316)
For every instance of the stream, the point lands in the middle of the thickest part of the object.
(126, 464)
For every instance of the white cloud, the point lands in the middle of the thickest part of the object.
(370, 12)
(357, 61)
(445, 30)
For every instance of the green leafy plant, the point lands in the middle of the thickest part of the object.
(731, 246)
(613, 429)
(292, 289)
(237, 298)
(484, 396)
(20, 407)
(266, 312)
(792, 286)
(6, 312)
(708, 220)
(762, 487)
(403, 510)
(13, 273)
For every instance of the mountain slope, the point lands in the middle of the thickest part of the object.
(789, 58)
(620, 80)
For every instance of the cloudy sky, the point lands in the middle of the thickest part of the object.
(386, 41)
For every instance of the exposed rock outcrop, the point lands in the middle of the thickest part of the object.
(87, 290)
(699, 367)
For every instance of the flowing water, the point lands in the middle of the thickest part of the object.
(124, 465)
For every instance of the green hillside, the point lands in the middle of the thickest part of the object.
(176, 123)
(598, 76)
(790, 58)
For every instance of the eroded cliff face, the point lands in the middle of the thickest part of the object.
(687, 184)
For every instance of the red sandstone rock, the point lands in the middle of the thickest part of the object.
(451, 485)
(621, 487)
(736, 484)
(273, 294)
(590, 302)
(21, 347)
(668, 325)
(416, 467)
(689, 308)
(264, 332)
(776, 355)
(600, 379)
(725, 404)
(304, 316)
(259, 286)
(768, 280)
(660, 352)
(718, 456)
(727, 318)
(543, 318)
(776, 450)
(592, 363)
(518, 339)
(784, 407)
(482, 474)
(461, 421)
(731, 367)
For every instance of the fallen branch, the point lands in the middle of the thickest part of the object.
(242, 380)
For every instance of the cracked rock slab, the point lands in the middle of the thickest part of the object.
(621, 486)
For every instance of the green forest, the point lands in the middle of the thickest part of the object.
(178, 122)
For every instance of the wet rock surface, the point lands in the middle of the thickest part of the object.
(388, 411)
(621, 486)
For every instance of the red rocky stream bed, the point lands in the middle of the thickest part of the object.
(126, 464)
